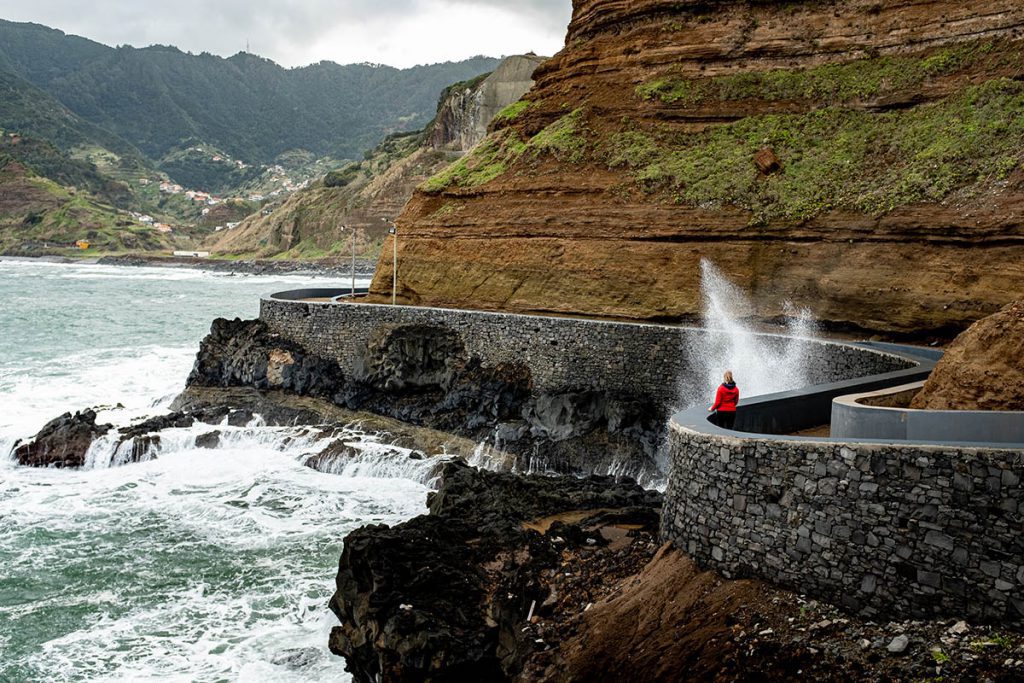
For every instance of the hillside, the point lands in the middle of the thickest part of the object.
(160, 99)
(39, 216)
(368, 195)
(860, 159)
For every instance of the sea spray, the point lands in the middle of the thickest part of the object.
(197, 564)
(761, 363)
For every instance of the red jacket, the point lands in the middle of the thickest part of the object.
(727, 398)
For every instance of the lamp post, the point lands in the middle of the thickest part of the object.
(353, 264)
(353, 231)
(393, 231)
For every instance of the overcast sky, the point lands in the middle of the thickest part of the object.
(298, 32)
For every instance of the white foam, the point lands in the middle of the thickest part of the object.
(761, 364)
(195, 564)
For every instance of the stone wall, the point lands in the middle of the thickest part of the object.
(563, 354)
(881, 529)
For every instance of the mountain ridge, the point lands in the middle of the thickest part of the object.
(158, 97)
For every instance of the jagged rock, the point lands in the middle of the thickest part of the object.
(422, 376)
(62, 442)
(245, 353)
(156, 424)
(443, 596)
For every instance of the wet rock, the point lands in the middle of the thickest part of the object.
(240, 418)
(296, 658)
(445, 595)
(209, 440)
(62, 442)
(157, 424)
(246, 353)
(421, 375)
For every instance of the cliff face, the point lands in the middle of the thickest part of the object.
(859, 158)
(369, 195)
(467, 109)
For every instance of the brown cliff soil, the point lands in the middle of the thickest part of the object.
(672, 621)
(894, 202)
(983, 369)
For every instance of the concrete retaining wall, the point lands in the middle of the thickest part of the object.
(855, 421)
(563, 354)
(883, 529)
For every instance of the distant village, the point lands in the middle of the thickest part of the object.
(278, 177)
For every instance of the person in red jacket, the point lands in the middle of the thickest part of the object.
(726, 400)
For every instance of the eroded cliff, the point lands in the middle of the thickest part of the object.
(858, 158)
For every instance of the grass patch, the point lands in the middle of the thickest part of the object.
(997, 641)
(488, 160)
(832, 83)
(566, 138)
(837, 158)
(513, 111)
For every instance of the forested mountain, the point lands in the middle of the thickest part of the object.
(160, 99)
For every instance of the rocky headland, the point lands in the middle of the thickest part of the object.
(857, 158)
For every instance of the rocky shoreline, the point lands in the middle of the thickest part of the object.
(515, 577)
(539, 578)
(339, 268)
(334, 268)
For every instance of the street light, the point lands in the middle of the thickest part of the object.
(353, 231)
(393, 231)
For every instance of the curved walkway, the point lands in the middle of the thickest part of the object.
(776, 417)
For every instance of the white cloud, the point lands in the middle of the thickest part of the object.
(298, 32)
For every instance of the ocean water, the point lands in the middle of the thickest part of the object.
(197, 565)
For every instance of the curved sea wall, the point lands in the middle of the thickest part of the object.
(855, 417)
(562, 354)
(918, 530)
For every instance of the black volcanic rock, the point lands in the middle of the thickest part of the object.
(443, 596)
(62, 442)
(240, 353)
(422, 375)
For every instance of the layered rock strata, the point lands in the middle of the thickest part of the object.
(891, 198)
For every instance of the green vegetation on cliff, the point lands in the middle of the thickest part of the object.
(837, 158)
(488, 160)
(565, 139)
(833, 83)
(39, 216)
